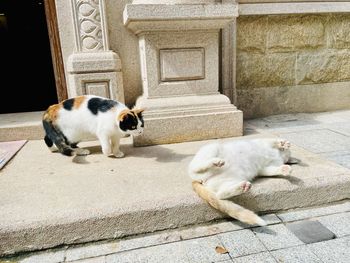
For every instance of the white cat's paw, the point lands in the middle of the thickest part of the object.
(246, 186)
(286, 170)
(119, 154)
(283, 145)
(218, 162)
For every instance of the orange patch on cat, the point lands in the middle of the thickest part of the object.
(137, 111)
(52, 112)
(78, 101)
(123, 114)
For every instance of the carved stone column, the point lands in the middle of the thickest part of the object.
(179, 54)
(93, 69)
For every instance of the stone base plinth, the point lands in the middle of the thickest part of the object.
(190, 118)
(97, 73)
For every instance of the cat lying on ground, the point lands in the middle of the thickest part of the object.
(68, 122)
(223, 170)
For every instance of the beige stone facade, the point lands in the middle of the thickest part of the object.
(254, 58)
(293, 63)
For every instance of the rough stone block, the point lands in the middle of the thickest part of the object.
(338, 29)
(328, 66)
(256, 70)
(252, 33)
(288, 33)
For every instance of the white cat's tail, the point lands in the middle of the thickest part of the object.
(228, 207)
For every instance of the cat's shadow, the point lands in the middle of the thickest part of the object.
(157, 152)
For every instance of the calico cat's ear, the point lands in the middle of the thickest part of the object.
(123, 114)
(138, 111)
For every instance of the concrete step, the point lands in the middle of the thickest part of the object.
(21, 126)
(47, 200)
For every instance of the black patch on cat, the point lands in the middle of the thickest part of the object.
(68, 104)
(129, 122)
(141, 119)
(97, 104)
(48, 141)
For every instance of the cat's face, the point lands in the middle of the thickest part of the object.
(131, 121)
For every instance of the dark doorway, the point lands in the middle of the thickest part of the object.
(26, 74)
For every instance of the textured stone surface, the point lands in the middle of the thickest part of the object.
(285, 62)
(319, 141)
(188, 118)
(313, 212)
(262, 102)
(300, 254)
(336, 250)
(252, 33)
(196, 250)
(287, 33)
(91, 251)
(276, 237)
(323, 67)
(52, 257)
(338, 223)
(310, 231)
(339, 31)
(256, 70)
(264, 257)
(241, 243)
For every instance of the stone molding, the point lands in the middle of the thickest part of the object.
(90, 25)
(293, 8)
(93, 68)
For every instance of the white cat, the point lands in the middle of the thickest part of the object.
(68, 122)
(223, 170)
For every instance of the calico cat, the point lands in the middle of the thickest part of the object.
(68, 122)
(222, 170)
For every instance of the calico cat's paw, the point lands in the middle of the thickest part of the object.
(218, 162)
(119, 154)
(283, 145)
(81, 152)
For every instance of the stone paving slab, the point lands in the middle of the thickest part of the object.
(46, 200)
(310, 231)
(276, 237)
(331, 251)
(299, 254)
(339, 224)
(306, 213)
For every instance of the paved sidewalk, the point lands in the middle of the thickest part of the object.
(326, 134)
(309, 235)
(316, 137)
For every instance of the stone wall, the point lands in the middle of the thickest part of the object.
(293, 63)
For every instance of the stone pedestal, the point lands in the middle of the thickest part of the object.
(93, 68)
(179, 54)
(97, 73)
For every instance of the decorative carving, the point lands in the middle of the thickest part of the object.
(90, 25)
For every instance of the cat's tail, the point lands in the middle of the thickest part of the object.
(228, 207)
(54, 136)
